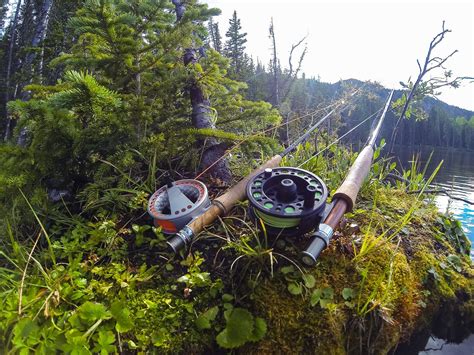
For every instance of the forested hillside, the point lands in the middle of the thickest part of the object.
(104, 101)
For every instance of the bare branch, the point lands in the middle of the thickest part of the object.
(419, 65)
(422, 88)
(293, 47)
(292, 74)
(441, 62)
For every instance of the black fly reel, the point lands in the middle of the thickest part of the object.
(288, 201)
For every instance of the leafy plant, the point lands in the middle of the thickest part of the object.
(297, 280)
(454, 234)
(348, 295)
(241, 327)
(324, 297)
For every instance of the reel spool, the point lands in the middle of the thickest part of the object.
(289, 201)
(176, 204)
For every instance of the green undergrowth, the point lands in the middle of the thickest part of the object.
(102, 280)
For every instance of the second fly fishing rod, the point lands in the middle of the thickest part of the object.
(345, 197)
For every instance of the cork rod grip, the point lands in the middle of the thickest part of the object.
(225, 202)
(360, 169)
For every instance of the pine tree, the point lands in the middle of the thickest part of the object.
(3, 16)
(43, 14)
(127, 87)
(214, 32)
(235, 48)
(9, 58)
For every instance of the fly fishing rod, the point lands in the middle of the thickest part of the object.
(183, 207)
(345, 197)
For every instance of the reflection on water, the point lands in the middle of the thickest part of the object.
(436, 346)
(456, 176)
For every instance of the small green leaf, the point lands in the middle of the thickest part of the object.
(159, 337)
(122, 316)
(315, 297)
(348, 293)
(228, 306)
(325, 302)
(25, 332)
(309, 281)
(184, 279)
(295, 288)
(227, 297)
(376, 166)
(328, 293)
(150, 304)
(287, 269)
(260, 329)
(105, 342)
(376, 154)
(349, 304)
(238, 330)
(90, 311)
(204, 320)
(77, 295)
(132, 344)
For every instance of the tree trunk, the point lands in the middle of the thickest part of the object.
(13, 28)
(40, 34)
(275, 88)
(180, 8)
(201, 118)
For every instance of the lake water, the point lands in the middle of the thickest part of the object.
(456, 176)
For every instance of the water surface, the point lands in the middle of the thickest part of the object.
(457, 176)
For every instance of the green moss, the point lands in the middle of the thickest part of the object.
(295, 327)
(166, 322)
(399, 286)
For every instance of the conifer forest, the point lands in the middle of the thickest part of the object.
(163, 190)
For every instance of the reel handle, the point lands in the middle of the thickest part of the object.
(319, 241)
(181, 240)
(311, 254)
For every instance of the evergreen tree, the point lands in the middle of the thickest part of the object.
(125, 88)
(218, 38)
(214, 32)
(235, 48)
(3, 16)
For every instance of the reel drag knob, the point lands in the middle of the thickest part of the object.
(287, 190)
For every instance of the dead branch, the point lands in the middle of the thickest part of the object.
(431, 63)
(293, 74)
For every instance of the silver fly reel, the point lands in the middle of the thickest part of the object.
(176, 204)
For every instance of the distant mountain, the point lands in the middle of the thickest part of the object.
(428, 103)
(445, 125)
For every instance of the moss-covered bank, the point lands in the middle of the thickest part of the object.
(107, 284)
(396, 288)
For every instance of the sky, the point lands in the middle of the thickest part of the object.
(366, 40)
